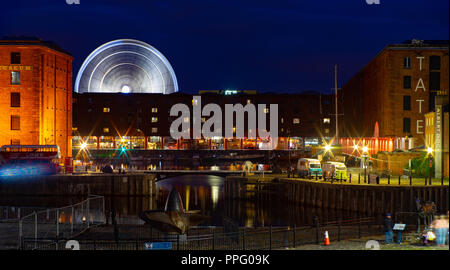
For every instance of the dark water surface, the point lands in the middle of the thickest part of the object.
(198, 192)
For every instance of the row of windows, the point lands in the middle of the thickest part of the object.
(154, 130)
(435, 62)
(106, 110)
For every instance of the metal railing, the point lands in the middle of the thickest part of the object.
(216, 238)
(62, 223)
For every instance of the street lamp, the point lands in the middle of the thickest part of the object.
(83, 145)
(430, 162)
(365, 149)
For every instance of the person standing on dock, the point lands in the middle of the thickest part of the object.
(388, 234)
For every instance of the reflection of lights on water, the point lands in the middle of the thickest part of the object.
(214, 195)
(188, 195)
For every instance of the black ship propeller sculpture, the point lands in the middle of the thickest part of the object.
(173, 218)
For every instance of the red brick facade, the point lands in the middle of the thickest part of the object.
(377, 93)
(45, 89)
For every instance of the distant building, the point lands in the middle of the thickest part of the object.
(430, 137)
(142, 121)
(35, 93)
(396, 89)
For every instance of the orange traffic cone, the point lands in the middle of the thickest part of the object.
(327, 239)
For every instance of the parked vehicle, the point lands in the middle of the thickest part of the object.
(334, 170)
(308, 167)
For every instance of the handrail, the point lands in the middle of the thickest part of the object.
(90, 197)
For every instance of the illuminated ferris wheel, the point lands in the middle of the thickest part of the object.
(126, 66)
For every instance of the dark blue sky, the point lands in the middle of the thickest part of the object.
(270, 46)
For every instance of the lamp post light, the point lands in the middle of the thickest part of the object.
(365, 149)
(430, 162)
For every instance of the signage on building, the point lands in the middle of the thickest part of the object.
(16, 67)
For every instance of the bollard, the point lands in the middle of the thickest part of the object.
(442, 179)
(294, 237)
(410, 180)
(425, 180)
(316, 223)
(399, 180)
(359, 227)
(270, 236)
(350, 179)
(389, 179)
(316, 175)
(359, 178)
(339, 230)
(214, 240)
(243, 238)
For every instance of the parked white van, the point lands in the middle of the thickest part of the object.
(334, 170)
(308, 167)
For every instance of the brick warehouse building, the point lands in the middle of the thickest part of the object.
(35, 93)
(144, 119)
(396, 89)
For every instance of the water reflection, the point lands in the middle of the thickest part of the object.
(204, 193)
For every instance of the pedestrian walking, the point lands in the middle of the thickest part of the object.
(388, 234)
(440, 228)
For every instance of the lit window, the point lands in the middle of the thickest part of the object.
(266, 110)
(154, 110)
(186, 119)
(203, 119)
(15, 77)
(105, 130)
(249, 101)
(326, 120)
(296, 121)
(282, 120)
(154, 130)
(154, 119)
(106, 109)
(327, 130)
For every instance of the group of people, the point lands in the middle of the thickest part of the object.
(437, 231)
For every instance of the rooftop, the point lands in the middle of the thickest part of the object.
(25, 40)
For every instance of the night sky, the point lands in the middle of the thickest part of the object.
(270, 46)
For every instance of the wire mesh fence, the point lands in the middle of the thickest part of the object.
(64, 222)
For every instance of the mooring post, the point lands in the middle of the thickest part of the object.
(214, 239)
(270, 236)
(294, 236)
(316, 223)
(339, 230)
(243, 238)
(71, 221)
